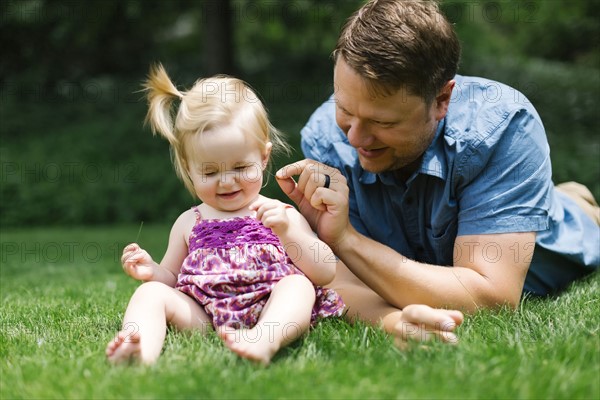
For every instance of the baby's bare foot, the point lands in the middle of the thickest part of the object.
(253, 344)
(124, 347)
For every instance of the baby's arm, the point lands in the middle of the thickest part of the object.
(310, 254)
(138, 264)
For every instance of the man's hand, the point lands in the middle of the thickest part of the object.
(325, 208)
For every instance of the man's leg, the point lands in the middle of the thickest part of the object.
(416, 322)
(582, 196)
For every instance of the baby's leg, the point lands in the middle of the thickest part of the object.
(151, 307)
(285, 318)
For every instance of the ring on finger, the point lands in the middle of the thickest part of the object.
(327, 181)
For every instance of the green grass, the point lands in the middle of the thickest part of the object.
(63, 296)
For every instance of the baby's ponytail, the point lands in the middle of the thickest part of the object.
(161, 93)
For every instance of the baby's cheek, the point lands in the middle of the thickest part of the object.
(252, 174)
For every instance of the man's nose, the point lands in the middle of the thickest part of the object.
(358, 134)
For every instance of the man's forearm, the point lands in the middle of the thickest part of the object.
(402, 281)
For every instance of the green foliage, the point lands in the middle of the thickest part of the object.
(560, 30)
(96, 170)
(63, 295)
(57, 41)
(556, 30)
(73, 149)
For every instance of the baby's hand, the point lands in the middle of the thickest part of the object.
(137, 263)
(272, 214)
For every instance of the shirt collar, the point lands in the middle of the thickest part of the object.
(434, 159)
(433, 162)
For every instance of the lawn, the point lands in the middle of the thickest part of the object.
(80, 156)
(63, 295)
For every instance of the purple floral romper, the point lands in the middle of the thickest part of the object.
(232, 267)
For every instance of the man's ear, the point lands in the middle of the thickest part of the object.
(442, 100)
(267, 154)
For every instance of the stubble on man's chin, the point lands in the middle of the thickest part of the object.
(403, 171)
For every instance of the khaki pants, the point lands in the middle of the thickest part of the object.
(583, 197)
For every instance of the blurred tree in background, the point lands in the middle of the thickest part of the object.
(217, 32)
(49, 42)
(73, 149)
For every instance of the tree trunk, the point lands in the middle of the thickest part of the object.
(217, 37)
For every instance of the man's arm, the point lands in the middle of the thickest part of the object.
(489, 270)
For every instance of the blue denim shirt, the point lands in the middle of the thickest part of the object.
(487, 171)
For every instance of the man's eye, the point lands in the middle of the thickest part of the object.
(241, 167)
(210, 173)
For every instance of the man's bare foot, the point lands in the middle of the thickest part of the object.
(253, 344)
(124, 347)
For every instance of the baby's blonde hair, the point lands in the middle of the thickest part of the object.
(212, 102)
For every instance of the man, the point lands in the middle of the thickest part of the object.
(433, 188)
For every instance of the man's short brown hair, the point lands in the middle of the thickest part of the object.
(400, 44)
